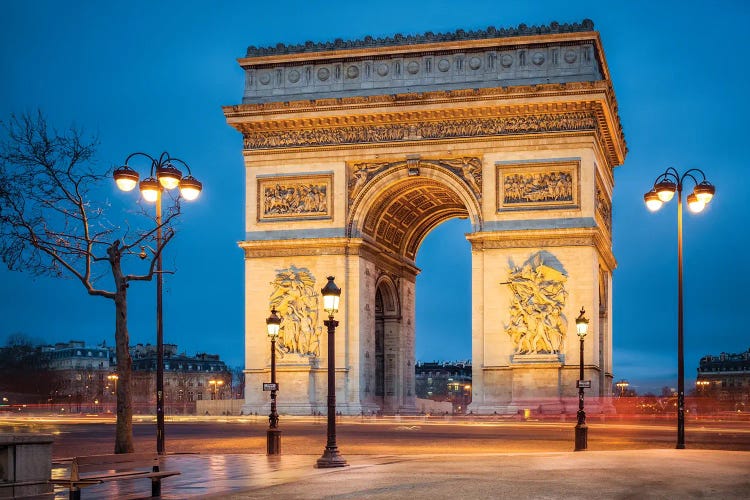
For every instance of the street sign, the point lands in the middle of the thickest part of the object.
(583, 384)
(270, 386)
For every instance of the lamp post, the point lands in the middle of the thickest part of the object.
(163, 175)
(582, 328)
(702, 385)
(622, 385)
(215, 384)
(113, 379)
(331, 456)
(273, 435)
(665, 187)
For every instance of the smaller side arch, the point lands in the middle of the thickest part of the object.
(388, 289)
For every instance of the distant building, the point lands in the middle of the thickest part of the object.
(82, 373)
(726, 377)
(449, 381)
(186, 378)
(86, 377)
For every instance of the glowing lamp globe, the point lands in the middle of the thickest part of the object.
(582, 324)
(331, 295)
(273, 323)
(653, 202)
(168, 176)
(665, 190)
(190, 187)
(694, 204)
(150, 189)
(704, 191)
(126, 178)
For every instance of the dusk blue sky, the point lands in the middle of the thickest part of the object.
(152, 76)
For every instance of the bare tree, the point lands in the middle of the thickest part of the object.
(51, 223)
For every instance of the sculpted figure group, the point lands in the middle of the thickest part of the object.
(296, 300)
(537, 323)
(295, 199)
(537, 188)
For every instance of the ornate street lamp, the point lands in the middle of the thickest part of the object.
(622, 385)
(702, 385)
(163, 175)
(215, 388)
(331, 456)
(273, 435)
(582, 328)
(665, 187)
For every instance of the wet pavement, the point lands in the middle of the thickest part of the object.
(655, 473)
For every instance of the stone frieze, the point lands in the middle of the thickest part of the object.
(401, 132)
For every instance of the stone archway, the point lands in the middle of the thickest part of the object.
(354, 151)
(387, 378)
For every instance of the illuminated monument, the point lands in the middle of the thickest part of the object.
(355, 150)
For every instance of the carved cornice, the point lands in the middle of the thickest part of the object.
(564, 237)
(293, 247)
(362, 247)
(589, 114)
(369, 42)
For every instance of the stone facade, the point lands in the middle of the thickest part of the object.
(516, 130)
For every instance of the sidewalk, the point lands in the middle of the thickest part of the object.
(638, 474)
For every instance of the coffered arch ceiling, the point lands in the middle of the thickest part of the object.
(405, 212)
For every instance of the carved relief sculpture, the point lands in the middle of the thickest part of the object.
(296, 300)
(538, 186)
(537, 323)
(294, 197)
(604, 208)
(397, 132)
(468, 169)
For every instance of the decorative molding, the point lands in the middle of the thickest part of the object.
(429, 37)
(402, 132)
(466, 168)
(295, 197)
(542, 185)
(596, 99)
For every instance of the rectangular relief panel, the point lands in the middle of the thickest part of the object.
(538, 185)
(295, 197)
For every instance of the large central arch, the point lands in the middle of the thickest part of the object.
(354, 151)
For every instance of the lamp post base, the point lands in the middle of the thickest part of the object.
(582, 431)
(331, 458)
(273, 442)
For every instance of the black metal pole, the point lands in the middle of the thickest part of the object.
(680, 345)
(331, 456)
(581, 427)
(159, 336)
(273, 435)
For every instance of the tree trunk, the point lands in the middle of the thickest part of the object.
(124, 429)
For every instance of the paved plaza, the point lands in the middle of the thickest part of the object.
(656, 473)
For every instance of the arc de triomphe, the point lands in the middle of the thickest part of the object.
(355, 150)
